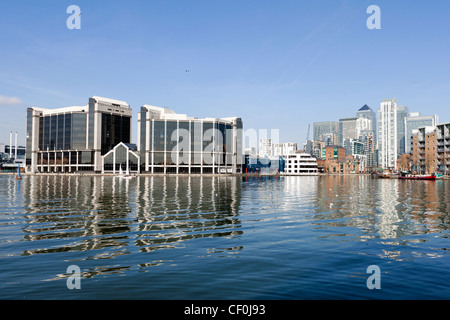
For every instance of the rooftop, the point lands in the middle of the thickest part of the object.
(365, 108)
(169, 114)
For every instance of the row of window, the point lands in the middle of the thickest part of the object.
(62, 132)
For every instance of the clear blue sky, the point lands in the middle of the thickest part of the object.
(277, 64)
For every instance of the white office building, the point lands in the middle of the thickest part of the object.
(75, 138)
(169, 142)
(301, 164)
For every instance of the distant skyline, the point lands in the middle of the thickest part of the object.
(277, 65)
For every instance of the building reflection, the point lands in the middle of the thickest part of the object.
(345, 197)
(389, 210)
(109, 216)
(170, 210)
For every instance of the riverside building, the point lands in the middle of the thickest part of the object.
(175, 143)
(425, 151)
(300, 164)
(443, 147)
(75, 138)
(388, 134)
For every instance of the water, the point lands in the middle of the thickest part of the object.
(223, 237)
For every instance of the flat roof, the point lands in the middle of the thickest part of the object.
(169, 114)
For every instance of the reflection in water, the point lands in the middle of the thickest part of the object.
(109, 216)
(390, 210)
(255, 236)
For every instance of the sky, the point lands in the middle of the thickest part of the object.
(276, 64)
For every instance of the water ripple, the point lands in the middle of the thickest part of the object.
(265, 237)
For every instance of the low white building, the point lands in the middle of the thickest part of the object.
(300, 164)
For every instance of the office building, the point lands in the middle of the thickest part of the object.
(75, 138)
(347, 129)
(415, 121)
(301, 164)
(175, 143)
(402, 114)
(325, 130)
(367, 120)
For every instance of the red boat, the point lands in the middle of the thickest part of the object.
(417, 176)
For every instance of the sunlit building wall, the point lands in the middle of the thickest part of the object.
(175, 143)
(75, 138)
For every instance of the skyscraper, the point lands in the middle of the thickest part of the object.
(347, 129)
(365, 112)
(402, 114)
(387, 134)
(323, 130)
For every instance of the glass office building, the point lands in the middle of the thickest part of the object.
(174, 143)
(323, 129)
(75, 138)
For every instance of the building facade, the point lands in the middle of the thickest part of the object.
(415, 121)
(347, 129)
(300, 164)
(325, 130)
(265, 147)
(443, 147)
(367, 120)
(387, 134)
(402, 115)
(284, 148)
(334, 153)
(425, 150)
(347, 165)
(175, 143)
(75, 138)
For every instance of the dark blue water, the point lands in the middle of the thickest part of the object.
(223, 237)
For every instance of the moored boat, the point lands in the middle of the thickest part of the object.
(405, 175)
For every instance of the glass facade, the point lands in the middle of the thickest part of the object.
(55, 131)
(188, 146)
(29, 137)
(63, 140)
(114, 129)
(79, 121)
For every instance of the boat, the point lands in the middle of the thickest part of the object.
(386, 175)
(127, 174)
(410, 176)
